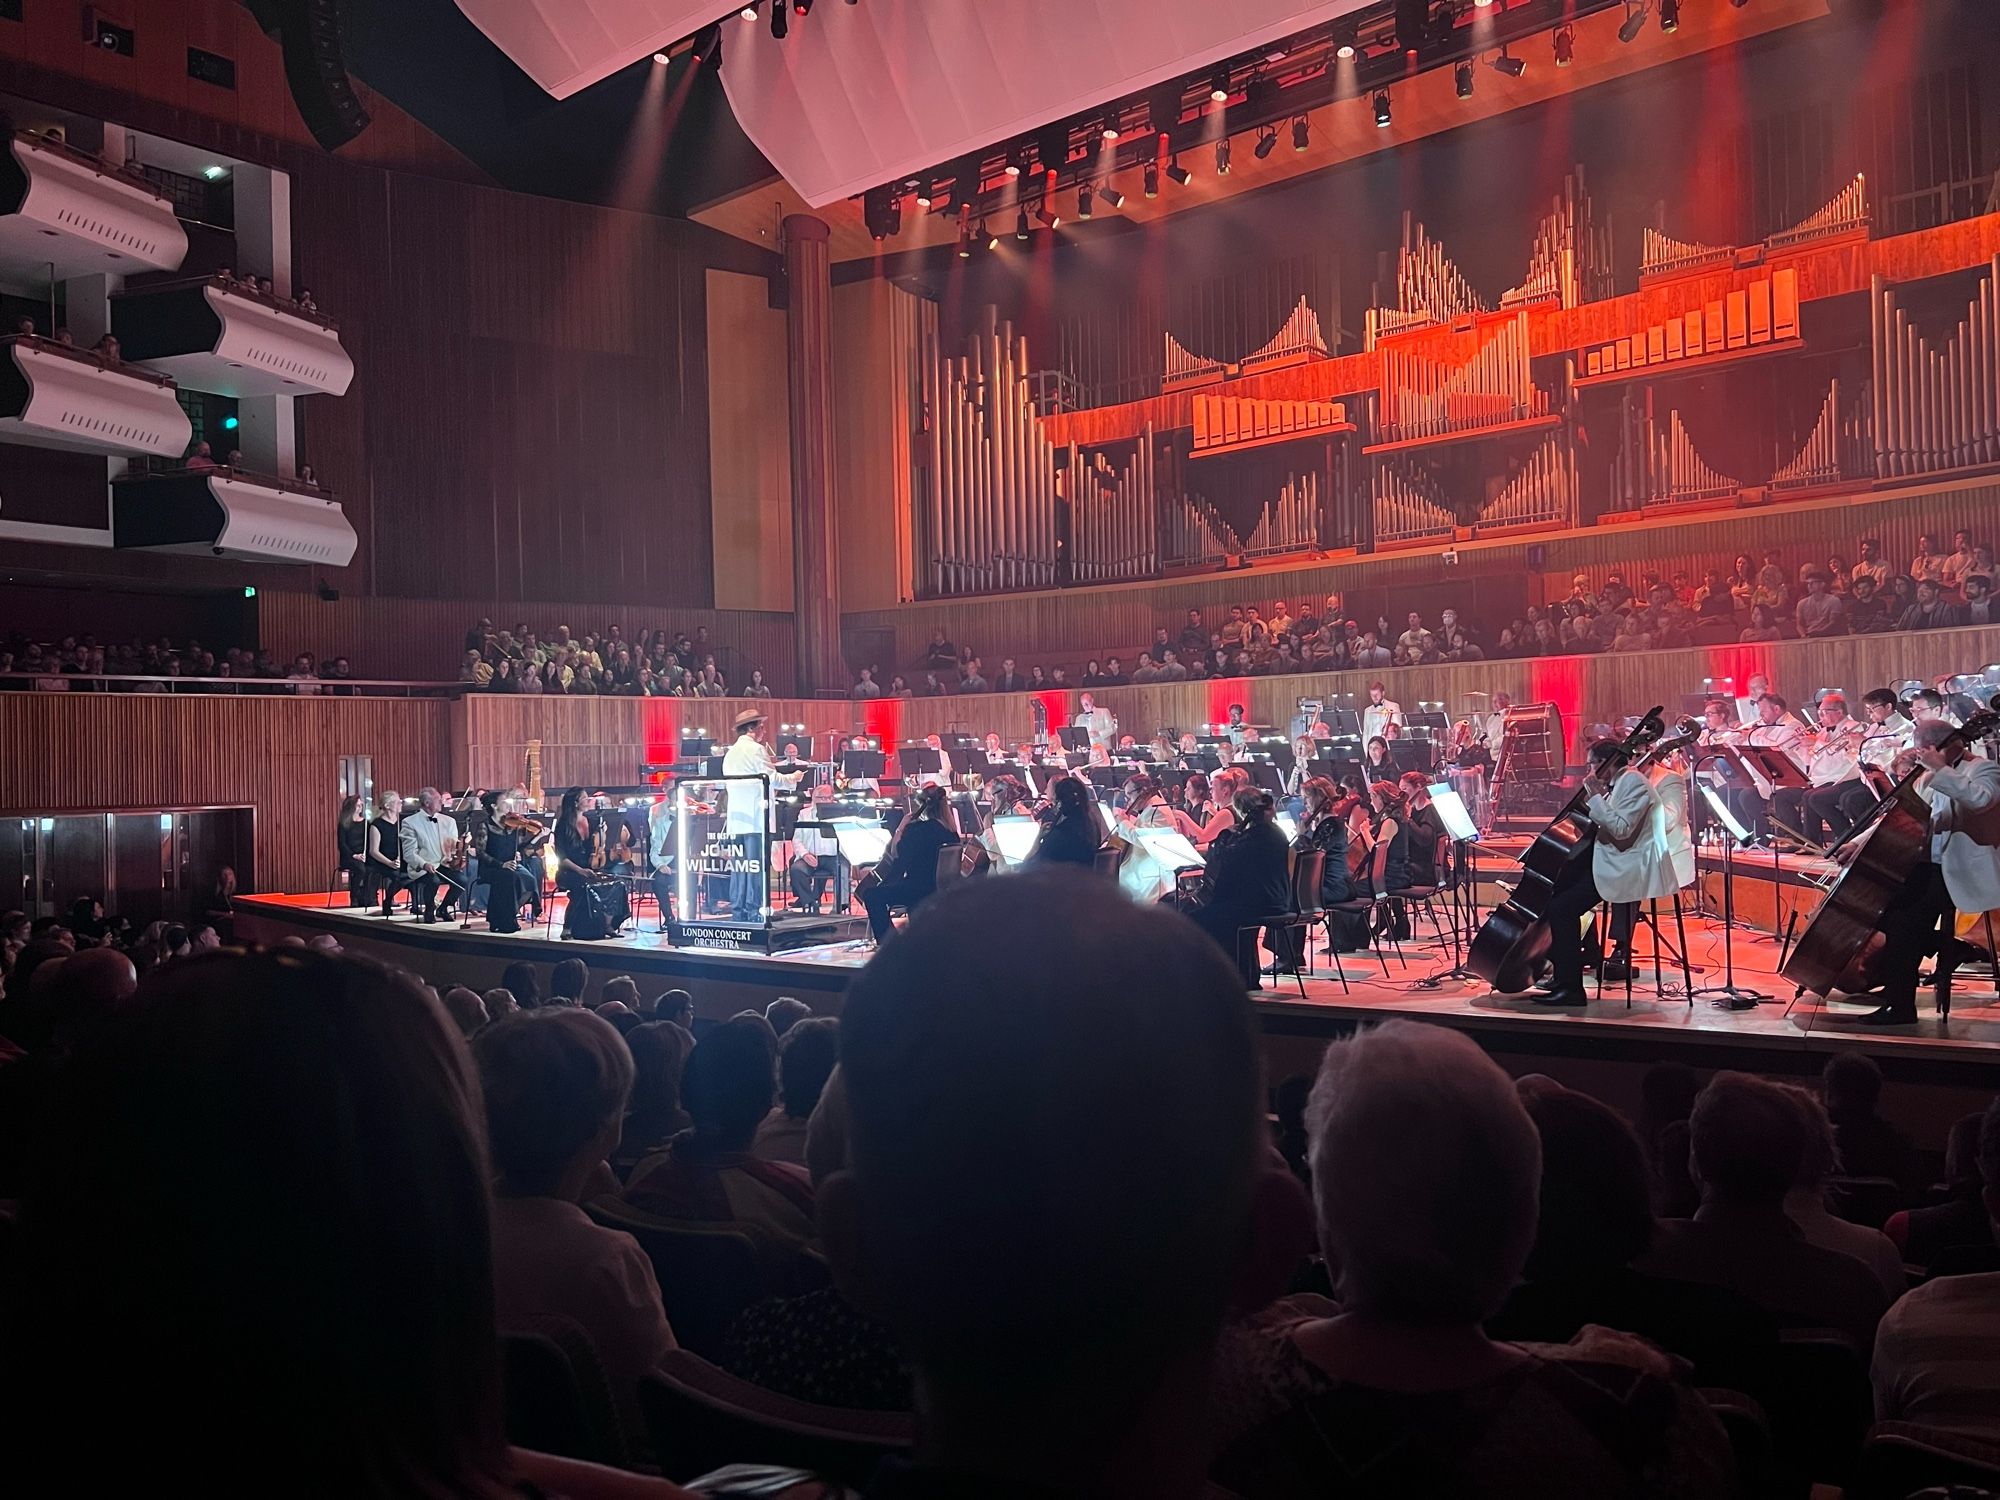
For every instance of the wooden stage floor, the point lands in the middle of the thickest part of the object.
(1776, 1035)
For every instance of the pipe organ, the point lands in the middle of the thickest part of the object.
(1936, 405)
(1298, 338)
(1192, 533)
(1430, 289)
(1542, 492)
(1409, 506)
(1112, 531)
(1183, 368)
(1291, 522)
(1425, 397)
(1564, 263)
(992, 492)
(1846, 212)
(1674, 473)
(1835, 449)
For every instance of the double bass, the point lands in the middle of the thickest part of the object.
(1514, 939)
(1844, 933)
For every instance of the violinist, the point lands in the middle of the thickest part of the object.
(1146, 807)
(1304, 753)
(1224, 785)
(385, 852)
(596, 907)
(1720, 729)
(1378, 763)
(1427, 831)
(907, 875)
(1389, 860)
(1196, 802)
(1008, 799)
(1325, 828)
(1248, 878)
(505, 863)
(1621, 869)
(1073, 836)
(1960, 872)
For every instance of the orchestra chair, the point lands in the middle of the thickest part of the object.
(557, 1398)
(1367, 908)
(1308, 866)
(950, 865)
(1110, 859)
(1285, 921)
(1648, 917)
(700, 1417)
(1423, 898)
(1903, 1458)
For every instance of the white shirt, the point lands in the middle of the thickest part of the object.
(422, 837)
(660, 832)
(1494, 726)
(1377, 717)
(1965, 832)
(1834, 756)
(818, 842)
(749, 812)
(1886, 741)
(1099, 724)
(1625, 861)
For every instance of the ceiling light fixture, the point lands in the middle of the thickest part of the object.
(1382, 111)
(1512, 66)
(1462, 79)
(1112, 197)
(1021, 225)
(1633, 24)
(1177, 174)
(1222, 157)
(781, 19)
(1301, 133)
(990, 241)
(1084, 193)
(1218, 84)
(1014, 160)
(1565, 46)
(1152, 179)
(1670, 16)
(964, 242)
(1109, 131)
(748, 13)
(1267, 141)
(660, 59)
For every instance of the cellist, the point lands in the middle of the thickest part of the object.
(1959, 873)
(1621, 869)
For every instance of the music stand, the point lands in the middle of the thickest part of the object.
(922, 762)
(1015, 834)
(1733, 996)
(1458, 823)
(1074, 738)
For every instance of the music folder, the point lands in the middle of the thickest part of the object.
(861, 844)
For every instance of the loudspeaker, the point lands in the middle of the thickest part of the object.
(310, 33)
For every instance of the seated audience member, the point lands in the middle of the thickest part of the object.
(1934, 1356)
(676, 1006)
(1868, 1145)
(1805, 1204)
(1425, 1168)
(217, 1129)
(466, 1009)
(500, 1003)
(524, 982)
(1667, 1092)
(1746, 1140)
(784, 1013)
(806, 1056)
(708, 1174)
(1594, 1220)
(1961, 1220)
(654, 1116)
(1035, 1253)
(569, 980)
(555, 1086)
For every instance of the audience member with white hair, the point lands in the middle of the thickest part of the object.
(1425, 1171)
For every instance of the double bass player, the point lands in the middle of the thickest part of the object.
(1622, 867)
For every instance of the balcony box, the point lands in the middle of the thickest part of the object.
(66, 207)
(229, 513)
(54, 396)
(226, 338)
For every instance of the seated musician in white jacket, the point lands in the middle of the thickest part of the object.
(1622, 869)
(1960, 873)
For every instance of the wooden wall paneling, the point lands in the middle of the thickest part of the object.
(750, 456)
(73, 752)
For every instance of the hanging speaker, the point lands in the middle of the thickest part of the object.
(309, 31)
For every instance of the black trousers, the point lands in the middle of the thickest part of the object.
(424, 894)
(507, 892)
(386, 882)
(360, 881)
(809, 882)
(1816, 811)
(1567, 906)
(1918, 922)
(904, 893)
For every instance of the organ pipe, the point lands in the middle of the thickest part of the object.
(1935, 404)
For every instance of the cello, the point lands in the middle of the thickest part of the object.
(1514, 940)
(1844, 932)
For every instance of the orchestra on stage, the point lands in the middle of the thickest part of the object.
(1386, 804)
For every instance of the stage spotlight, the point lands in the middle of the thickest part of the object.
(1565, 45)
(803, 7)
(1177, 174)
(1163, 105)
(882, 211)
(1109, 130)
(990, 241)
(1512, 66)
(1111, 196)
(1152, 179)
(1015, 158)
(1481, 4)
(964, 242)
(1048, 216)
(1267, 141)
(1382, 115)
(1633, 24)
(748, 13)
(1345, 51)
(1021, 225)
(1301, 133)
(1670, 16)
(1084, 192)
(1462, 78)
(1222, 157)
(660, 59)
(1218, 84)
(922, 187)
(781, 19)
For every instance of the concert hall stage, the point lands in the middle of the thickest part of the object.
(1602, 1047)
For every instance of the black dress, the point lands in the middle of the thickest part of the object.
(507, 890)
(1426, 828)
(1329, 836)
(352, 840)
(386, 873)
(597, 907)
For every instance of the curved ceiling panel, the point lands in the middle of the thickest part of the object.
(567, 45)
(862, 94)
